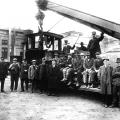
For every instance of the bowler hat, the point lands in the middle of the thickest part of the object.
(105, 59)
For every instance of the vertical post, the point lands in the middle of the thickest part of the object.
(9, 45)
(33, 42)
(59, 45)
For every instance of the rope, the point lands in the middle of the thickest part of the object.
(77, 38)
(55, 24)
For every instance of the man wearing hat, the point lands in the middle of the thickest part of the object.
(116, 85)
(97, 63)
(67, 48)
(56, 57)
(14, 69)
(105, 77)
(3, 73)
(32, 74)
(88, 67)
(24, 75)
(82, 47)
(93, 45)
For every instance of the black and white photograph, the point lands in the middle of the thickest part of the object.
(59, 60)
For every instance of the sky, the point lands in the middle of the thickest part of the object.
(21, 14)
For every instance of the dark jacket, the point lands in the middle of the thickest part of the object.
(105, 76)
(24, 71)
(14, 69)
(67, 48)
(3, 69)
(88, 63)
(82, 48)
(116, 76)
(93, 44)
(54, 77)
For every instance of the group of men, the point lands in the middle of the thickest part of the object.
(93, 45)
(97, 70)
(92, 71)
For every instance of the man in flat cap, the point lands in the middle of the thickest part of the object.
(67, 48)
(32, 74)
(24, 75)
(88, 68)
(93, 45)
(3, 73)
(14, 69)
(105, 77)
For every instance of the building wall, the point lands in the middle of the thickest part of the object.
(11, 43)
(4, 42)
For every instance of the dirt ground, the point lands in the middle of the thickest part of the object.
(68, 106)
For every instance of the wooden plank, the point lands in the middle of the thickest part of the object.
(96, 90)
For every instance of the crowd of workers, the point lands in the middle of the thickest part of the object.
(67, 70)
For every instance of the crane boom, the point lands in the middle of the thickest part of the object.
(108, 27)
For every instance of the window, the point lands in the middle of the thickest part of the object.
(4, 42)
(4, 52)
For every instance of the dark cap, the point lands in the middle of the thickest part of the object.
(65, 40)
(97, 53)
(105, 59)
(56, 54)
(14, 59)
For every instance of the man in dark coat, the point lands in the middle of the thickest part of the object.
(3, 73)
(82, 47)
(116, 85)
(93, 45)
(14, 69)
(24, 75)
(97, 63)
(105, 77)
(32, 74)
(54, 78)
(67, 48)
(42, 76)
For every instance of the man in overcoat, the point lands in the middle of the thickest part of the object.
(116, 85)
(105, 77)
(54, 78)
(31, 74)
(3, 73)
(42, 76)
